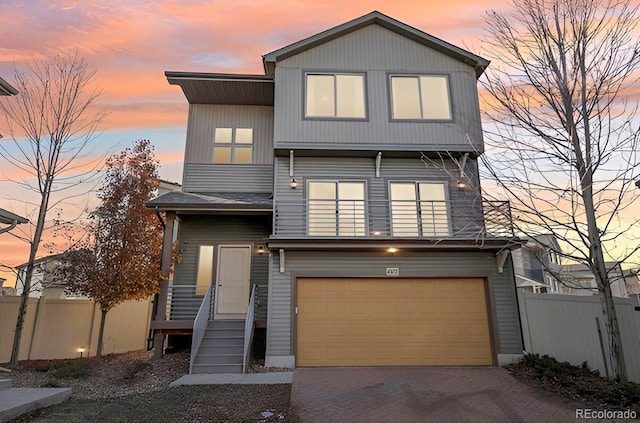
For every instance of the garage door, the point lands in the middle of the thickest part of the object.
(374, 322)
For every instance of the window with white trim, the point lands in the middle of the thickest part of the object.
(233, 145)
(419, 209)
(336, 208)
(335, 95)
(421, 97)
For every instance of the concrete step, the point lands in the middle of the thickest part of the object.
(218, 359)
(226, 342)
(221, 349)
(226, 324)
(6, 383)
(17, 401)
(216, 368)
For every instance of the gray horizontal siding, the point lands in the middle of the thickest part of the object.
(227, 178)
(215, 230)
(377, 51)
(464, 203)
(373, 264)
(205, 118)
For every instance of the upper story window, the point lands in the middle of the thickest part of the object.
(418, 209)
(421, 97)
(233, 145)
(336, 208)
(335, 95)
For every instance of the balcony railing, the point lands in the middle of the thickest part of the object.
(386, 218)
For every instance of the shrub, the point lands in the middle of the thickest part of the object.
(579, 382)
(70, 369)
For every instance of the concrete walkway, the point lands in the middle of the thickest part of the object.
(420, 394)
(17, 401)
(274, 378)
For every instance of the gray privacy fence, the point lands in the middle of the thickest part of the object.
(572, 328)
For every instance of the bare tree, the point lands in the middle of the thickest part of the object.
(51, 124)
(564, 142)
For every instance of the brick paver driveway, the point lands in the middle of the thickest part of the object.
(422, 394)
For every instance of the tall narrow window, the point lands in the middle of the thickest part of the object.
(420, 97)
(204, 277)
(336, 208)
(335, 96)
(418, 209)
(233, 145)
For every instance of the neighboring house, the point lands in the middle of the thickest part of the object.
(165, 187)
(44, 282)
(579, 280)
(535, 262)
(632, 279)
(343, 185)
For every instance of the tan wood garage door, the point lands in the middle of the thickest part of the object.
(372, 322)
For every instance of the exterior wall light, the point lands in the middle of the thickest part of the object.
(260, 249)
(293, 184)
(376, 233)
(461, 184)
(392, 250)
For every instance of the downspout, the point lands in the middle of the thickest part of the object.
(378, 162)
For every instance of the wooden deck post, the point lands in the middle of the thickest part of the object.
(165, 267)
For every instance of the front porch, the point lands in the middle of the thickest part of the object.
(218, 293)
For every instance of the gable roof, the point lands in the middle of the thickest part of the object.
(269, 60)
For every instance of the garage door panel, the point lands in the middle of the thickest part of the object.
(366, 322)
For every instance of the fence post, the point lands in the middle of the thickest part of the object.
(524, 321)
(35, 324)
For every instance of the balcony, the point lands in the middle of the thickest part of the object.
(324, 219)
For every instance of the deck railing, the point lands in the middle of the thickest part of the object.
(200, 325)
(248, 329)
(392, 218)
(183, 302)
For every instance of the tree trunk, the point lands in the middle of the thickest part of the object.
(22, 311)
(103, 318)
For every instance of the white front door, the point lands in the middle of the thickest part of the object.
(233, 281)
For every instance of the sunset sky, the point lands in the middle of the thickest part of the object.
(131, 43)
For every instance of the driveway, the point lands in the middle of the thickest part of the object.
(422, 394)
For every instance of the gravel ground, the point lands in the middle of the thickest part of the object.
(118, 375)
(133, 387)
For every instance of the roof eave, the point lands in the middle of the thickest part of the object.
(6, 88)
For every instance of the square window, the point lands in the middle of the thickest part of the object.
(244, 136)
(243, 155)
(335, 96)
(221, 154)
(424, 97)
(223, 135)
(233, 145)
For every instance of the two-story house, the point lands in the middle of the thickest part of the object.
(335, 202)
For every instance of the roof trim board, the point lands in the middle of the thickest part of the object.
(375, 17)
